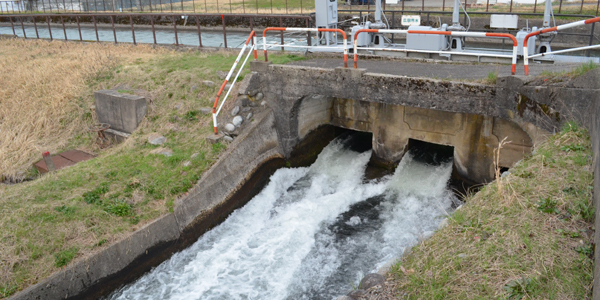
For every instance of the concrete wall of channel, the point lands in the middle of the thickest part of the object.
(305, 105)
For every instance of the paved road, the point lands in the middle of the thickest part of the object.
(440, 70)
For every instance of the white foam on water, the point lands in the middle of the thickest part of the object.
(298, 238)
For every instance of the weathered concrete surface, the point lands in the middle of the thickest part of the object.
(247, 152)
(122, 111)
(471, 117)
(473, 137)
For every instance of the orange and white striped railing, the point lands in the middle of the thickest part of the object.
(292, 29)
(555, 28)
(215, 112)
(451, 33)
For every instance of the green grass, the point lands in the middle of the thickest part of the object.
(52, 221)
(492, 78)
(538, 229)
(561, 76)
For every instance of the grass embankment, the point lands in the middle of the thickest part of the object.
(47, 94)
(526, 235)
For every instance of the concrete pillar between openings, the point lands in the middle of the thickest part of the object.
(390, 134)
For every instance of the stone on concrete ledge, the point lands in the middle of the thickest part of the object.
(235, 110)
(122, 111)
(237, 121)
(243, 100)
(252, 93)
(212, 139)
(228, 138)
(230, 127)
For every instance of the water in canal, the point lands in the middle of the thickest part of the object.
(311, 233)
(144, 35)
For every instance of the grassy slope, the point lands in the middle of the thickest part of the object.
(527, 235)
(55, 220)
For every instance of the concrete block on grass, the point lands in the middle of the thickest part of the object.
(122, 111)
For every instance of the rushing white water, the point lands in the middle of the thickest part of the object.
(310, 234)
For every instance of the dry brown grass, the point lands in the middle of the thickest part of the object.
(500, 237)
(42, 82)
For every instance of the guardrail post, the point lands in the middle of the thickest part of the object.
(49, 28)
(12, 25)
(79, 28)
(132, 31)
(199, 34)
(281, 33)
(64, 29)
(175, 29)
(23, 27)
(96, 29)
(153, 31)
(112, 21)
(35, 26)
(224, 31)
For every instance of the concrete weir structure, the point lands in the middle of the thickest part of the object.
(472, 118)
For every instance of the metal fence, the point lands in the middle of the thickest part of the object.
(577, 7)
(49, 21)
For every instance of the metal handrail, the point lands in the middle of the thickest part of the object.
(305, 30)
(450, 33)
(215, 112)
(551, 29)
(174, 16)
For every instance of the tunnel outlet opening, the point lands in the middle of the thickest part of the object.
(357, 141)
(307, 151)
(430, 153)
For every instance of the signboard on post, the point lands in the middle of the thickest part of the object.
(408, 20)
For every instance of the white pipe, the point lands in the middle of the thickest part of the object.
(563, 51)
(236, 77)
(438, 52)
